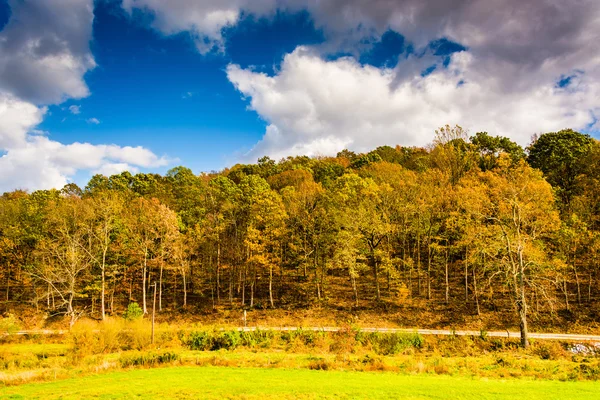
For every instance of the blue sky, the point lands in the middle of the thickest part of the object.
(160, 93)
(102, 86)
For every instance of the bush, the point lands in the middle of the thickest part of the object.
(212, 340)
(258, 338)
(343, 341)
(320, 364)
(137, 334)
(9, 324)
(134, 312)
(393, 343)
(147, 359)
(549, 350)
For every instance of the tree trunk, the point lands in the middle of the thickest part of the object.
(566, 293)
(252, 292)
(184, 290)
(376, 267)
(475, 292)
(145, 309)
(353, 280)
(218, 289)
(317, 286)
(71, 311)
(577, 280)
(429, 251)
(466, 274)
(103, 290)
(160, 276)
(590, 288)
(8, 282)
(447, 297)
(271, 285)
(522, 302)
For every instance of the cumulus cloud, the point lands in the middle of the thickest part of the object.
(518, 31)
(17, 118)
(94, 121)
(44, 50)
(313, 106)
(115, 168)
(35, 162)
(75, 109)
(505, 82)
(44, 53)
(204, 19)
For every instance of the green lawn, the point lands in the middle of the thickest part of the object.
(254, 383)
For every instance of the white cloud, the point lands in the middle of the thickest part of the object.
(94, 121)
(44, 50)
(44, 53)
(16, 119)
(204, 19)
(115, 168)
(313, 106)
(504, 83)
(75, 109)
(37, 162)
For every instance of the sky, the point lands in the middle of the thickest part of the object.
(105, 86)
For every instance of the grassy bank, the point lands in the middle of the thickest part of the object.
(115, 345)
(252, 383)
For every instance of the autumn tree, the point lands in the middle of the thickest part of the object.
(65, 256)
(518, 210)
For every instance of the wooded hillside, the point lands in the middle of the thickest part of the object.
(477, 221)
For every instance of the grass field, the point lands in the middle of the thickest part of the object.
(254, 383)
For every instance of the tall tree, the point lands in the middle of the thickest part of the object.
(518, 209)
(561, 156)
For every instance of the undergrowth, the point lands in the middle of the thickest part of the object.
(117, 343)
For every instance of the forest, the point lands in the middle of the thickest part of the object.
(472, 220)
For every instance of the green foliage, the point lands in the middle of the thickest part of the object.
(561, 156)
(491, 148)
(133, 312)
(211, 340)
(364, 160)
(147, 359)
(394, 343)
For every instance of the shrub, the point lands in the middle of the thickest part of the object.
(393, 343)
(212, 340)
(549, 350)
(9, 324)
(197, 340)
(134, 312)
(590, 371)
(84, 340)
(227, 340)
(137, 334)
(320, 364)
(343, 341)
(258, 338)
(139, 359)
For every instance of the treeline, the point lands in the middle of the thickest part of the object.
(465, 219)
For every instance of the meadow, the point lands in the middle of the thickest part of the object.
(117, 359)
(256, 383)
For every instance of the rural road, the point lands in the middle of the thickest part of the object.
(439, 332)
